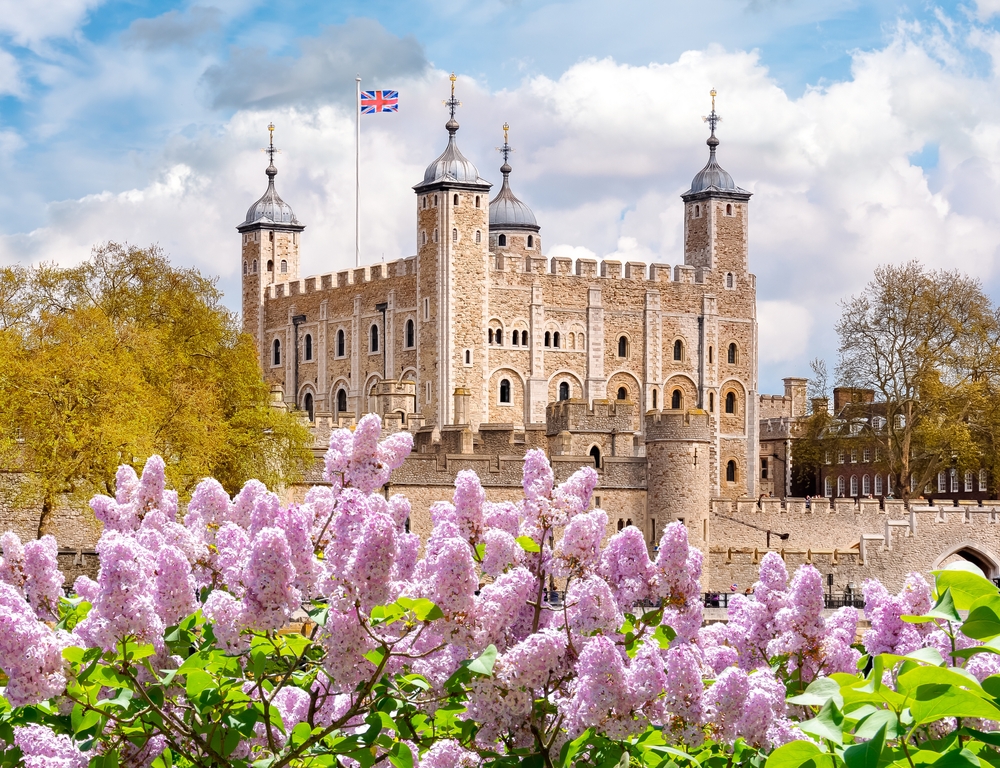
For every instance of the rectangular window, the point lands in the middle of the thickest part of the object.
(954, 480)
(826, 457)
(427, 309)
(942, 484)
(427, 396)
(866, 455)
(969, 477)
(840, 457)
(854, 455)
(878, 453)
(982, 480)
(763, 469)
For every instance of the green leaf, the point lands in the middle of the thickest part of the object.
(89, 719)
(664, 636)
(957, 759)
(929, 655)
(300, 733)
(933, 702)
(983, 621)
(913, 679)
(880, 720)
(965, 586)
(73, 654)
(945, 607)
(828, 724)
(818, 693)
(401, 756)
(197, 681)
(375, 656)
(528, 544)
(422, 608)
(866, 754)
(992, 686)
(795, 754)
(483, 665)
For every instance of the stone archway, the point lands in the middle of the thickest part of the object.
(970, 552)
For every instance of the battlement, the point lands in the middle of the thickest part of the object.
(575, 416)
(368, 274)
(655, 272)
(688, 425)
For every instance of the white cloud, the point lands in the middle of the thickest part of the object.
(604, 152)
(986, 9)
(31, 21)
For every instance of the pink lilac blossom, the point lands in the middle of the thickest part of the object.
(142, 757)
(626, 566)
(346, 644)
(601, 698)
(647, 680)
(399, 509)
(264, 513)
(244, 503)
(800, 624)
(502, 515)
(752, 620)
(271, 596)
(149, 491)
(293, 704)
(233, 547)
(677, 582)
(452, 577)
(765, 705)
(572, 497)
(713, 640)
(30, 652)
(12, 567)
(538, 477)
(86, 587)
(502, 610)
(297, 523)
(579, 552)
(209, 505)
(224, 611)
(683, 695)
(889, 633)
(41, 748)
(535, 659)
(724, 703)
(840, 630)
(124, 606)
(175, 587)
(502, 552)
(370, 568)
(591, 607)
(43, 580)
(407, 551)
(448, 753)
(469, 498)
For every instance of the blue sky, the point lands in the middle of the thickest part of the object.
(867, 131)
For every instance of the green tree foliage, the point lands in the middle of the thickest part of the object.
(926, 342)
(124, 356)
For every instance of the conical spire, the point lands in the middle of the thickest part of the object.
(270, 208)
(452, 166)
(506, 211)
(713, 177)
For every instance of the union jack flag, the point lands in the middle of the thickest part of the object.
(379, 101)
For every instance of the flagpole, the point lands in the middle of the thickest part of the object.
(357, 176)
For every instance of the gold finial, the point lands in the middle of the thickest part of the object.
(505, 129)
(453, 78)
(713, 92)
(271, 151)
(452, 103)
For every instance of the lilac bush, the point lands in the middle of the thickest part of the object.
(323, 633)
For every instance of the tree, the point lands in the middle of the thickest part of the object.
(122, 357)
(926, 342)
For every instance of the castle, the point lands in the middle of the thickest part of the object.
(483, 348)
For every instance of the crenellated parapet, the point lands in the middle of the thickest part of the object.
(576, 416)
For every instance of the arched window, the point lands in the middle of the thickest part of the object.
(531, 241)
(711, 402)
(284, 266)
(548, 339)
(373, 334)
(969, 482)
(435, 200)
(697, 211)
(423, 238)
(411, 336)
(468, 357)
(622, 393)
(564, 390)
(341, 343)
(341, 401)
(255, 266)
(276, 355)
(580, 341)
(654, 399)
(505, 391)
(878, 485)
(622, 346)
(454, 235)
(479, 235)
(270, 265)
(499, 337)
(710, 354)
(621, 524)
(524, 338)
(514, 337)
(555, 339)
(730, 471)
(595, 454)
(678, 350)
(435, 234)
(854, 485)
(841, 487)
(271, 236)
(731, 354)
(308, 346)
(244, 268)
(489, 335)
(729, 280)
(730, 402)
(729, 209)
(308, 405)
(456, 200)
(866, 485)
(502, 241)
(425, 202)
(675, 399)
(477, 205)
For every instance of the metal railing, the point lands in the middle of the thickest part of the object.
(830, 601)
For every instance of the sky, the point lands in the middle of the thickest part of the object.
(868, 132)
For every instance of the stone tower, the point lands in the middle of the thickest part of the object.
(452, 283)
(270, 254)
